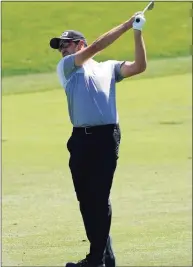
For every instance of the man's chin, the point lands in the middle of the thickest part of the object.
(65, 54)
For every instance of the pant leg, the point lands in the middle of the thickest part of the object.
(79, 148)
(90, 228)
(92, 163)
(88, 215)
(109, 254)
(100, 187)
(102, 170)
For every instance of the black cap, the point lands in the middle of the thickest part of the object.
(67, 35)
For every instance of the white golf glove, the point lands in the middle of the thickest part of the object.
(139, 21)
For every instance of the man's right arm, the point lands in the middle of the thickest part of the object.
(102, 42)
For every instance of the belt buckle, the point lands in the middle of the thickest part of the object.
(85, 129)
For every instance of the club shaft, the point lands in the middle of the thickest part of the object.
(146, 8)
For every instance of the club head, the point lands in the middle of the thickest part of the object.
(151, 6)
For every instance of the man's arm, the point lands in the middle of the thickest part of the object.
(102, 42)
(129, 69)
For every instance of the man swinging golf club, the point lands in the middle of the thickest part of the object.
(94, 143)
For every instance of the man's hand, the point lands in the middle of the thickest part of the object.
(139, 21)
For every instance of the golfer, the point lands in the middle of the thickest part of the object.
(95, 139)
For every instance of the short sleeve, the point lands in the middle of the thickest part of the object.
(117, 70)
(67, 66)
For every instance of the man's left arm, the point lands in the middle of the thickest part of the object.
(129, 69)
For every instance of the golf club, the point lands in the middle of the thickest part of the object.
(150, 6)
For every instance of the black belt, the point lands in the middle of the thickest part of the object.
(95, 129)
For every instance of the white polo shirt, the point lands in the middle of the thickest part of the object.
(90, 90)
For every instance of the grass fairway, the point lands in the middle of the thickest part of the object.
(151, 194)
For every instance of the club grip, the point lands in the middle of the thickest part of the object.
(137, 20)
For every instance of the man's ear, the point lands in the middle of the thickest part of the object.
(80, 44)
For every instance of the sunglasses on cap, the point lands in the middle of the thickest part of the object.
(65, 44)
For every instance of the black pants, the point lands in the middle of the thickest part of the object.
(93, 160)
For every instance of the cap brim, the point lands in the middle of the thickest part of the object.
(54, 42)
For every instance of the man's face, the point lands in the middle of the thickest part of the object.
(67, 47)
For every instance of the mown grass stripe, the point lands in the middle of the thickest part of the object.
(49, 81)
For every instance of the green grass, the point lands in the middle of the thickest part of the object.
(25, 37)
(151, 193)
(49, 81)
